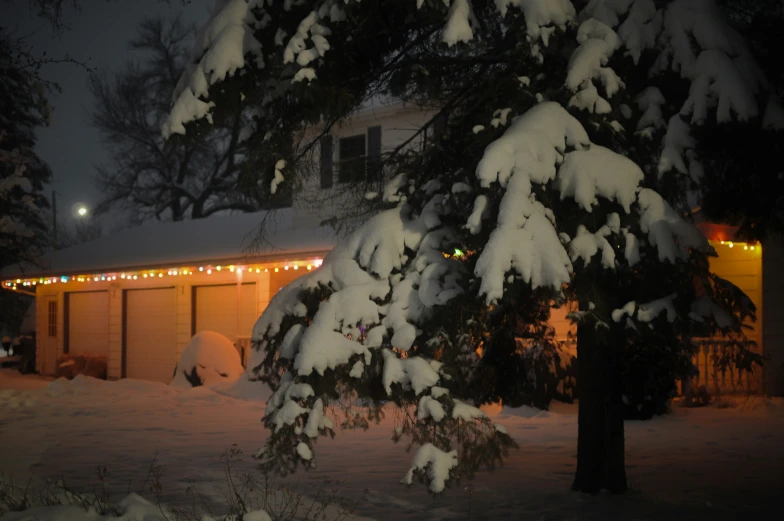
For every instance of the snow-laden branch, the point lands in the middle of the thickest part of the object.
(534, 150)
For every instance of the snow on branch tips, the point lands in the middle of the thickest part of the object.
(541, 19)
(458, 23)
(222, 46)
(310, 28)
(690, 38)
(650, 102)
(635, 22)
(699, 43)
(668, 231)
(524, 238)
(437, 463)
(278, 178)
(599, 172)
(597, 44)
(535, 150)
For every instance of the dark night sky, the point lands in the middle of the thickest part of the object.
(98, 35)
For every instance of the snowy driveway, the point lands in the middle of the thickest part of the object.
(694, 464)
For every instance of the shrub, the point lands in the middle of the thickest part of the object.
(68, 366)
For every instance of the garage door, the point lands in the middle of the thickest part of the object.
(216, 309)
(150, 334)
(88, 323)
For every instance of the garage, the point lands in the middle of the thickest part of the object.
(215, 309)
(87, 323)
(281, 279)
(150, 334)
(742, 267)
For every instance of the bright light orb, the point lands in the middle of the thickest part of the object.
(82, 211)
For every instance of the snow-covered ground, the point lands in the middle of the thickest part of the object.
(706, 463)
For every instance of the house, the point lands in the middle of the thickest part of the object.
(347, 158)
(137, 296)
(133, 294)
(758, 270)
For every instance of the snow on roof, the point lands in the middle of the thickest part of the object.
(215, 239)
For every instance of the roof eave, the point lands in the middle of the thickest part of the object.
(260, 259)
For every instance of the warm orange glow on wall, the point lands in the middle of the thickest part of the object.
(741, 264)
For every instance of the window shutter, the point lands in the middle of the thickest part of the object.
(439, 125)
(326, 161)
(374, 153)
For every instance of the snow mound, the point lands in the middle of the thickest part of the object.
(524, 412)
(208, 359)
(63, 386)
(244, 389)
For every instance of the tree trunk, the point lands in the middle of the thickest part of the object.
(600, 434)
(590, 415)
(616, 446)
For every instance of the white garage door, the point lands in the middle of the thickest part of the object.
(88, 323)
(216, 309)
(150, 334)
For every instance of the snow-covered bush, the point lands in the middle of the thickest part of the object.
(209, 358)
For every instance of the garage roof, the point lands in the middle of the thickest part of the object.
(213, 240)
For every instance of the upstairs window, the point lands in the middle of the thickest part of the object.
(358, 158)
(351, 159)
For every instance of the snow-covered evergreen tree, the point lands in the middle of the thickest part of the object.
(568, 162)
(23, 108)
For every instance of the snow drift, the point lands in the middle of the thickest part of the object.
(208, 359)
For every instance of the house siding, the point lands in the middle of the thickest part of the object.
(744, 268)
(773, 325)
(318, 200)
(114, 360)
(184, 303)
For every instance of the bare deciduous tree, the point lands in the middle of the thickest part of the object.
(193, 176)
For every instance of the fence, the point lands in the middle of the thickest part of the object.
(717, 380)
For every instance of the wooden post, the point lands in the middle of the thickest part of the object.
(239, 308)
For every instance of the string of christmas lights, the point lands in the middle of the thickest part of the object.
(745, 245)
(160, 273)
(210, 269)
